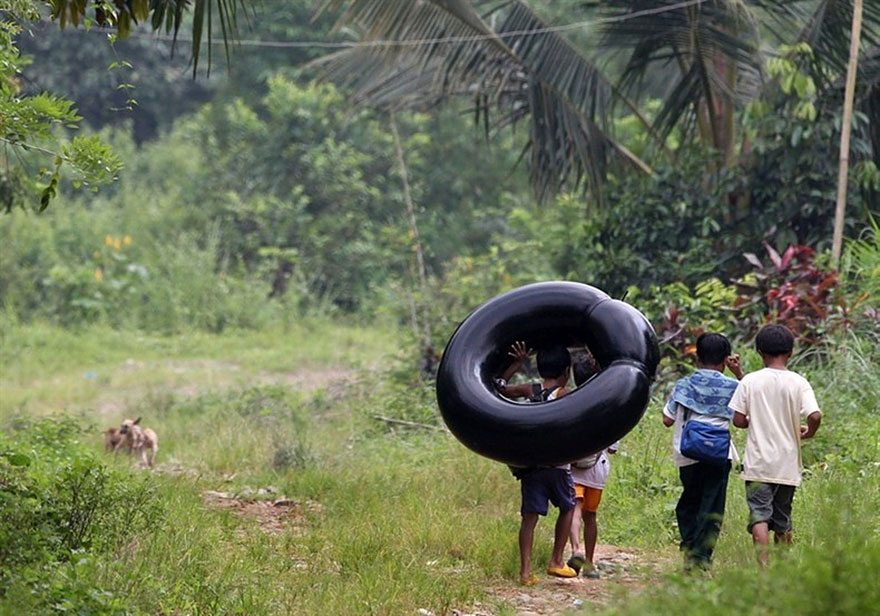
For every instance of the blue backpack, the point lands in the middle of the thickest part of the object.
(704, 442)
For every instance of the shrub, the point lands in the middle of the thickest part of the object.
(58, 506)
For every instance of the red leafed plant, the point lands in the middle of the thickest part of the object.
(798, 294)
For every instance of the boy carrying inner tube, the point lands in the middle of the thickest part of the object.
(542, 484)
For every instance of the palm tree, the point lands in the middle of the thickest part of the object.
(709, 52)
(515, 68)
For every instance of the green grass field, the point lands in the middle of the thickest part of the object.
(377, 519)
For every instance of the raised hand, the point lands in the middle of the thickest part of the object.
(519, 351)
(733, 364)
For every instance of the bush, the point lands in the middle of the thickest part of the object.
(59, 505)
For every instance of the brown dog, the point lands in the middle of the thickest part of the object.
(138, 439)
(112, 439)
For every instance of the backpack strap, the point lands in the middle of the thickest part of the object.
(537, 393)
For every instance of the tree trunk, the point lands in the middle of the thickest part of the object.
(846, 129)
(414, 229)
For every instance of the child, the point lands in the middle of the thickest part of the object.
(703, 396)
(540, 484)
(770, 404)
(589, 475)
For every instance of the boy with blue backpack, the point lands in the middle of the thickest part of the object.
(702, 447)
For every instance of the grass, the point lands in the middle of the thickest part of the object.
(390, 522)
(46, 368)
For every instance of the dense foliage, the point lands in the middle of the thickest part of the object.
(61, 507)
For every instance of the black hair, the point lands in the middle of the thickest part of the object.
(582, 371)
(774, 340)
(553, 361)
(712, 349)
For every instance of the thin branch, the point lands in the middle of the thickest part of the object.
(408, 424)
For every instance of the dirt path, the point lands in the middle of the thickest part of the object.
(621, 567)
(627, 568)
(187, 378)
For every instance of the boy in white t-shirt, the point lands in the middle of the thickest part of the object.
(770, 404)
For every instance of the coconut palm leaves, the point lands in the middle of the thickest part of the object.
(514, 71)
(709, 51)
(163, 14)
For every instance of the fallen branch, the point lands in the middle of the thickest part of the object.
(408, 424)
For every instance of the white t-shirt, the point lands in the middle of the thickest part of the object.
(597, 475)
(675, 411)
(774, 402)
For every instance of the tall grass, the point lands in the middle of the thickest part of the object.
(391, 521)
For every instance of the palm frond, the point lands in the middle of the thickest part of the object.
(167, 14)
(827, 31)
(707, 51)
(515, 70)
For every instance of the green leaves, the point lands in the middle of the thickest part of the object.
(515, 70)
(31, 124)
(16, 458)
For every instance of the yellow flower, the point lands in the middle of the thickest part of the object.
(99, 274)
(108, 240)
(126, 239)
(96, 254)
(117, 244)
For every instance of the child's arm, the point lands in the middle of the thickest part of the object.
(733, 364)
(739, 404)
(523, 390)
(813, 421)
(810, 408)
(668, 416)
(519, 352)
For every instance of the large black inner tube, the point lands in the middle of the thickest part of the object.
(547, 433)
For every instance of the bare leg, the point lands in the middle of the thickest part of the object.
(562, 534)
(783, 538)
(526, 538)
(591, 532)
(761, 538)
(576, 528)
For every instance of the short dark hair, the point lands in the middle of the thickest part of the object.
(774, 340)
(553, 361)
(712, 349)
(583, 371)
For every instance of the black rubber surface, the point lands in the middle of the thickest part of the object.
(588, 419)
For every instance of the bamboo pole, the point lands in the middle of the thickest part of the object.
(410, 208)
(846, 129)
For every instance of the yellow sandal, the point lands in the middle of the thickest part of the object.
(531, 581)
(562, 572)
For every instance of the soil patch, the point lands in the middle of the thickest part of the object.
(626, 567)
(274, 515)
(208, 375)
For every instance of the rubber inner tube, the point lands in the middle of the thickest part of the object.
(547, 433)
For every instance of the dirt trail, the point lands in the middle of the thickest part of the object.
(621, 567)
(187, 378)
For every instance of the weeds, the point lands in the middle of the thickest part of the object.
(401, 521)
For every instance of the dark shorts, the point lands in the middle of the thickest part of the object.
(771, 503)
(547, 484)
